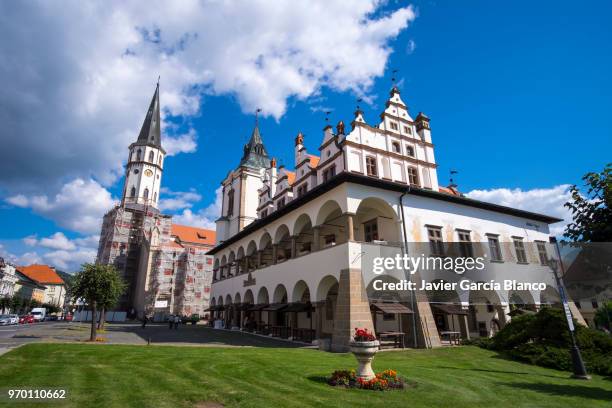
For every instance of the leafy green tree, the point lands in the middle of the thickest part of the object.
(592, 212)
(5, 303)
(15, 304)
(603, 316)
(99, 286)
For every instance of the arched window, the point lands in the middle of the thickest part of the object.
(230, 203)
(133, 192)
(155, 197)
(151, 156)
(146, 194)
(159, 159)
(138, 155)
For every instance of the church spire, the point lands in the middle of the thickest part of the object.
(255, 154)
(150, 133)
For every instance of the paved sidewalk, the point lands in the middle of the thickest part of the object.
(133, 333)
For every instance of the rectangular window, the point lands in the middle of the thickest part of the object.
(371, 166)
(280, 203)
(436, 244)
(393, 125)
(329, 173)
(410, 151)
(519, 247)
(264, 213)
(494, 248)
(302, 190)
(542, 252)
(465, 244)
(370, 230)
(413, 176)
(388, 317)
(594, 304)
(396, 147)
(407, 130)
(230, 203)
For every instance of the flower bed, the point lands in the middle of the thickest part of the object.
(383, 381)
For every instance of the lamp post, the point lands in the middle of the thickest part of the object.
(577, 362)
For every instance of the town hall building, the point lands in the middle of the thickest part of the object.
(295, 247)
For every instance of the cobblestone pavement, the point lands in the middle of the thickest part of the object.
(133, 333)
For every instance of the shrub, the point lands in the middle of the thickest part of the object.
(543, 339)
(386, 380)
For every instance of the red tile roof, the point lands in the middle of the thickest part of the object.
(41, 274)
(290, 177)
(450, 190)
(193, 235)
(314, 160)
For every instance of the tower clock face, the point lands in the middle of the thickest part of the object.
(148, 173)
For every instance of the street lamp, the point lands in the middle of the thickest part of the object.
(577, 363)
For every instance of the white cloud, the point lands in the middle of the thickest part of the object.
(178, 200)
(185, 143)
(547, 201)
(70, 260)
(76, 79)
(79, 206)
(56, 241)
(204, 218)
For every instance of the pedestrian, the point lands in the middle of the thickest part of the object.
(170, 321)
(177, 320)
(145, 319)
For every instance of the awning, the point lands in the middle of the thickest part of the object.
(275, 307)
(391, 308)
(449, 309)
(298, 307)
(257, 308)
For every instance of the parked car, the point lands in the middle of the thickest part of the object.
(26, 319)
(51, 318)
(5, 320)
(68, 317)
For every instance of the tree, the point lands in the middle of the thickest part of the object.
(15, 303)
(603, 316)
(592, 213)
(99, 286)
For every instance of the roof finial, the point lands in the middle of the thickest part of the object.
(327, 117)
(358, 102)
(257, 116)
(452, 182)
(158, 78)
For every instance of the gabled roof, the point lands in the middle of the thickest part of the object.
(150, 133)
(42, 274)
(193, 235)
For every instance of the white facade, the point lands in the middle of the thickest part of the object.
(372, 192)
(143, 175)
(8, 279)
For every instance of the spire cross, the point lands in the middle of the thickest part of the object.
(393, 79)
(452, 172)
(358, 102)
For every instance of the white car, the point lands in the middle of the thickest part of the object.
(5, 320)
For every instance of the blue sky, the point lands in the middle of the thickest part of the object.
(518, 94)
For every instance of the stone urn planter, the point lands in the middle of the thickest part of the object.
(364, 352)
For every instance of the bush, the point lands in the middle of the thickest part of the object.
(543, 339)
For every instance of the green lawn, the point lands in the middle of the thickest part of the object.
(164, 376)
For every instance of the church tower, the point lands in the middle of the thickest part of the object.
(146, 161)
(240, 188)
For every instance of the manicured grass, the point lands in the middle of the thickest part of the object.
(164, 376)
